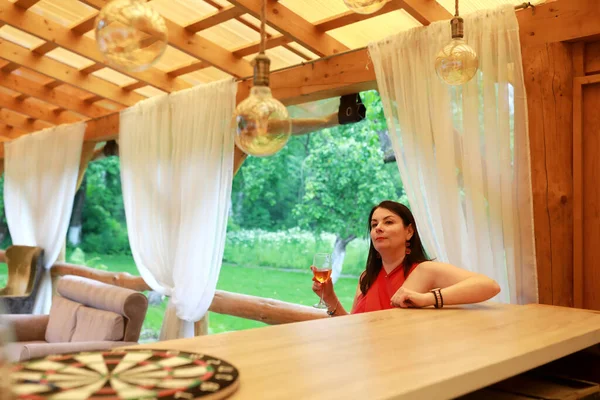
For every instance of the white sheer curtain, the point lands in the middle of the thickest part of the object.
(40, 179)
(177, 167)
(463, 152)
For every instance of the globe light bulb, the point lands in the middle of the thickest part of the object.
(365, 6)
(130, 34)
(457, 62)
(262, 125)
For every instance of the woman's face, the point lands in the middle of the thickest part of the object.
(388, 230)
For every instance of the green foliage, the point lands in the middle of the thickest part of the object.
(79, 257)
(104, 227)
(345, 177)
(291, 249)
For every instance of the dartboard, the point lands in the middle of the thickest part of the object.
(124, 374)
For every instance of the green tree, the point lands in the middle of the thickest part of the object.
(345, 176)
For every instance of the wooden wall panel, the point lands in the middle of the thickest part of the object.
(548, 74)
(590, 152)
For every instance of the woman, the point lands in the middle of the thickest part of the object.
(399, 274)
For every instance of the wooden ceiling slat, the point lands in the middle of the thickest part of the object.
(220, 16)
(8, 132)
(425, 11)
(64, 73)
(56, 97)
(53, 32)
(25, 4)
(53, 84)
(93, 98)
(253, 48)
(45, 48)
(22, 121)
(85, 26)
(195, 66)
(34, 110)
(20, 97)
(92, 68)
(294, 26)
(10, 67)
(134, 86)
(197, 46)
(350, 17)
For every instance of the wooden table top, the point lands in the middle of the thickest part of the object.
(399, 353)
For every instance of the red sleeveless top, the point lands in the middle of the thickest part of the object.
(380, 293)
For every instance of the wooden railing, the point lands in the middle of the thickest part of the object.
(261, 309)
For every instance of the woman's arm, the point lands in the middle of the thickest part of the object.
(458, 286)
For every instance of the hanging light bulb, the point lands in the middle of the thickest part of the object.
(457, 62)
(261, 123)
(365, 6)
(130, 34)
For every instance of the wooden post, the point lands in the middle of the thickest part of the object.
(201, 327)
(548, 74)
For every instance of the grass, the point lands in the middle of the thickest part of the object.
(287, 285)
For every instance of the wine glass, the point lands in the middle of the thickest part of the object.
(322, 271)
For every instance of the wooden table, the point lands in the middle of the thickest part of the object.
(397, 354)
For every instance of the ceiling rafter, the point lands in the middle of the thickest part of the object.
(37, 111)
(350, 17)
(57, 35)
(22, 121)
(197, 46)
(57, 97)
(292, 25)
(219, 16)
(64, 73)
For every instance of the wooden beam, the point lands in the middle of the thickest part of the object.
(22, 121)
(56, 97)
(31, 109)
(220, 16)
(85, 26)
(25, 4)
(53, 32)
(559, 21)
(45, 48)
(350, 17)
(64, 73)
(53, 84)
(91, 69)
(194, 66)
(199, 47)
(252, 48)
(10, 67)
(134, 86)
(293, 26)
(8, 132)
(426, 11)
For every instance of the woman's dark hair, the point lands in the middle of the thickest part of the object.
(374, 263)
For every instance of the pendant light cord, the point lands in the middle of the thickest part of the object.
(456, 8)
(263, 17)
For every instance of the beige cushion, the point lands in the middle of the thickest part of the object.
(95, 325)
(61, 323)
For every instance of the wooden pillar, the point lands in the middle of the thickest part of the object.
(548, 75)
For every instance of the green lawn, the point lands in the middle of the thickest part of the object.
(286, 285)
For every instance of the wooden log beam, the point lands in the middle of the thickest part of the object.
(64, 73)
(22, 121)
(292, 25)
(426, 11)
(56, 34)
(269, 311)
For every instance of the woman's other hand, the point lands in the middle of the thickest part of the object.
(405, 298)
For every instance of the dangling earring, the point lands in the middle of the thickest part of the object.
(407, 247)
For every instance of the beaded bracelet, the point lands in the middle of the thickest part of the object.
(439, 300)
